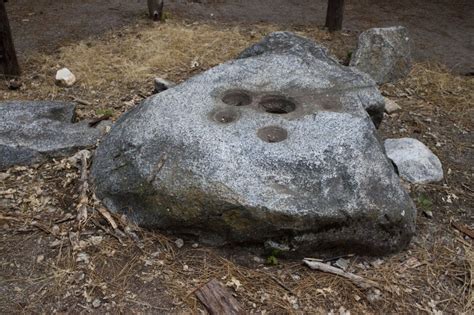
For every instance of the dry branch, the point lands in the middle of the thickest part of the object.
(82, 156)
(106, 214)
(357, 280)
(463, 229)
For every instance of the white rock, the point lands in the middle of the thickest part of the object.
(96, 303)
(415, 162)
(391, 106)
(374, 295)
(65, 77)
(82, 257)
(179, 243)
(428, 214)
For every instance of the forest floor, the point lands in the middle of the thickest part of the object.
(441, 30)
(51, 263)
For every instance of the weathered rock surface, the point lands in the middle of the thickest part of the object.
(33, 131)
(314, 55)
(276, 146)
(383, 53)
(415, 162)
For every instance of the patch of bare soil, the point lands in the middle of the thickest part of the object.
(441, 30)
(53, 261)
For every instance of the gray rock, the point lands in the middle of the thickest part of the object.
(312, 54)
(271, 147)
(415, 162)
(391, 106)
(383, 53)
(33, 131)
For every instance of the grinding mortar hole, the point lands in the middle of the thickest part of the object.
(272, 134)
(277, 105)
(237, 98)
(226, 116)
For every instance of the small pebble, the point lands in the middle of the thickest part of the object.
(40, 258)
(179, 243)
(96, 303)
(428, 214)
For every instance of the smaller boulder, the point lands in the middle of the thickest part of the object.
(383, 53)
(415, 162)
(391, 106)
(33, 131)
(64, 77)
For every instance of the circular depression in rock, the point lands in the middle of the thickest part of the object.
(272, 134)
(237, 98)
(275, 104)
(225, 116)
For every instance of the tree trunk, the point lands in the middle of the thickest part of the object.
(155, 9)
(335, 14)
(8, 61)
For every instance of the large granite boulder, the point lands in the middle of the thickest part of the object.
(415, 161)
(310, 54)
(31, 131)
(276, 146)
(384, 53)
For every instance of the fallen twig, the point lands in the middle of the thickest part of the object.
(357, 280)
(82, 102)
(96, 121)
(83, 198)
(463, 228)
(9, 218)
(42, 228)
(106, 214)
(108, 231)
(337, 257)
(281, 284)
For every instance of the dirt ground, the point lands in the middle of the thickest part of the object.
(441, 30)
(51, 262)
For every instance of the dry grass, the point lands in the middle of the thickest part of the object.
(434, 274)
(116, 67)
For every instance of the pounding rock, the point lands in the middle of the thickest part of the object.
(31, 131)
(415, 162)
(273, 147)
(383, 53)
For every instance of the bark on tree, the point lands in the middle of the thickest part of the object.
(335, 14)
(8, 60)
(218, 300)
